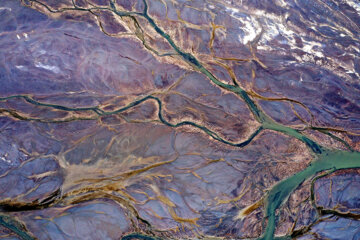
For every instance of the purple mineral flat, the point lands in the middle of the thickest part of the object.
(174, 119)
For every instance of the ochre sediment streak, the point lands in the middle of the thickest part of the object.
(249, 209)
(151, 107)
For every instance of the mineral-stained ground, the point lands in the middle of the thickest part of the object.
(179, 119)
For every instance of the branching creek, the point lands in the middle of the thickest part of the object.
(324, 159)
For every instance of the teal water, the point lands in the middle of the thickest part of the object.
(324, 158)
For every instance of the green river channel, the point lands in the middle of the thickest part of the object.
(323, 158)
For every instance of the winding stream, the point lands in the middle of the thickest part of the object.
(323, 158)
